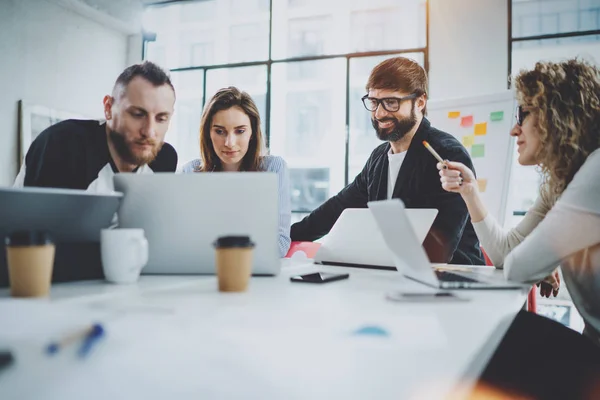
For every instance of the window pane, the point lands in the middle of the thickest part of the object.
(208, 32)
(184, 131)
(308, 129)
(244, 39)
(248, 79)
(374, 30)
(525, 54)
(240, 7)
(308, 27)
(362, 139)
(541, 17)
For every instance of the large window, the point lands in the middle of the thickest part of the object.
(305, 63)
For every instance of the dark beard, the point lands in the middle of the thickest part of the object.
(127, 155)
(400, 128)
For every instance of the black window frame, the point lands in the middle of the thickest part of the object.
(150, 37)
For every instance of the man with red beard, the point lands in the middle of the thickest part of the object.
(403, 168)
(85, 154)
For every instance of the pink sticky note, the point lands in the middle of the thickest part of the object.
(466, 121)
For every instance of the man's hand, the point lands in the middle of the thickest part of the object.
(550, 285)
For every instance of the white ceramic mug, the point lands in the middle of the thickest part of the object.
(124, 253)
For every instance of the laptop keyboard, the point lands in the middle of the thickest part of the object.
(446, 276)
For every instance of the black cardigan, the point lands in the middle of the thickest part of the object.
(451, 238)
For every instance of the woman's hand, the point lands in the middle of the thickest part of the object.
(550, 285)
(457, 178)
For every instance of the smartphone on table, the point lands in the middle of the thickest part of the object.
(424, 296)
(319, 277)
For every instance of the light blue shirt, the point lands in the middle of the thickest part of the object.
(269, 164)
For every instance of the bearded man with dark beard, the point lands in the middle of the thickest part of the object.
(85, 154)
(402, 167)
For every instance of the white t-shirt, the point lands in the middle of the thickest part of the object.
(395, 162)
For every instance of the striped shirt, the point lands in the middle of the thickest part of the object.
(269, 164)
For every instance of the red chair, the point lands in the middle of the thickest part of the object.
(308, 248)
(531, 299)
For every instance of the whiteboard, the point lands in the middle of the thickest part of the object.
(482, 124)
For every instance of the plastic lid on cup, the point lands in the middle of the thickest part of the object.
(28, 238)
(225, 242)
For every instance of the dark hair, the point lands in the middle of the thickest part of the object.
(399, 73)
(224, 99)
(147, 70)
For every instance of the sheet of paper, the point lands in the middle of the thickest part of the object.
(497, 115)
(468, 140)
(481, 129)
(482, 183)
(478, 150)
(466, 121)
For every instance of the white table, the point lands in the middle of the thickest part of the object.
(177, 337)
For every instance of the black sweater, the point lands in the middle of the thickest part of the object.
(451, 238)
(71, 154)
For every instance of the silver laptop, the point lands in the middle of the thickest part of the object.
(355, 238)
(183, 214)
(410, 257)
(68, 215)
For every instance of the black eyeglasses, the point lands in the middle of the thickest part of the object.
(521, 115)
(390, 104)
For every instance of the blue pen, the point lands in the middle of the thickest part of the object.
(96, 333)
(89, 335)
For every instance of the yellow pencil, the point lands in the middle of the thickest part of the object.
(432, 151)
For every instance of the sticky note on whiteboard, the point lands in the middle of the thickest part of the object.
(481, 129)
(453, 114)
(477, 150)
(468, 140)
(497, 115)
(482, 183)
(466, 121)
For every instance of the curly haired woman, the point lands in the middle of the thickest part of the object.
(557, 129)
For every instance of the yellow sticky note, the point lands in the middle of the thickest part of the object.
(481, 128)
(453, 114)
(468, 140)
(482, 183)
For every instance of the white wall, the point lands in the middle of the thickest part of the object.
(468, 47)
(53, 57)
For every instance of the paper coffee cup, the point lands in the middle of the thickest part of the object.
(233, 258)
(30, 259)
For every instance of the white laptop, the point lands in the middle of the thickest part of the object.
(410, 257)
(355, 238)
(183, 214)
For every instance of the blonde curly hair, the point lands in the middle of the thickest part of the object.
(565, 98)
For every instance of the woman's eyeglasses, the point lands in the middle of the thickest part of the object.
(521, 115)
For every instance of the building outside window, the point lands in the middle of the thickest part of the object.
(298, 59)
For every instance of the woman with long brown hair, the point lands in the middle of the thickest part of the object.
(557, 129)
(231, 140)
